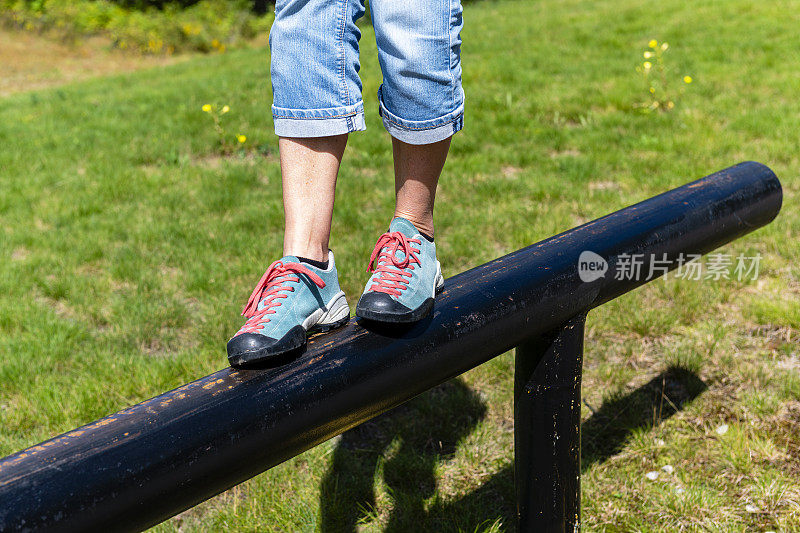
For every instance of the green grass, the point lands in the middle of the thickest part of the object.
(128, 247)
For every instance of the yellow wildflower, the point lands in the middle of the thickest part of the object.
(653, 43)
(225, 109)
(687, 79)
(207, 108)
(241, 138)
(647, 65)
(190, 29)
(670, 104)
(648, 55)
(665, 46)
(215, 43)
(652, 90)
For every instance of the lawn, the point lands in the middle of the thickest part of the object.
(129, 245)
(33, 61)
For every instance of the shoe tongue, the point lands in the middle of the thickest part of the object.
(403, 226)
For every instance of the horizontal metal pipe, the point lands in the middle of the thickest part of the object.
(139, 466)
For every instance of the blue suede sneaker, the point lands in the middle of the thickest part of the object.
(405, 276)
(291, 300)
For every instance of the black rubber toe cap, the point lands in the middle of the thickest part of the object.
(381, 307)
(253, 348)
(248, 342)
(382, 303)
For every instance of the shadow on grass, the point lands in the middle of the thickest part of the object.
(428, 429)
(605, 432)
(405, 444)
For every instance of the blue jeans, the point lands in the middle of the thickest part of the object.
(316, 88)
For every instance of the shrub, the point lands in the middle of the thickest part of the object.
(158, 28)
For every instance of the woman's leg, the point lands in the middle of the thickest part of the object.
(406, 274)
(416, 174)
(422, 105)
(300, 292)
(309, 168)
(421, 98)
(316, 103)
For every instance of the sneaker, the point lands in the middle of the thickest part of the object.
(291, 300)
(405, 276)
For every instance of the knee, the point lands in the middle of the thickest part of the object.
(314, 53)
(421, 69)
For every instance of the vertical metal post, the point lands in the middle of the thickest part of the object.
(547, 429)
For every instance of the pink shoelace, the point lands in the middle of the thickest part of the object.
(270, 289)
(392, 276)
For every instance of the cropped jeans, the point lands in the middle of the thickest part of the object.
(315, 64)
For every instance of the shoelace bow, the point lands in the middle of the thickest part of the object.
(270, 289)
(391, 271)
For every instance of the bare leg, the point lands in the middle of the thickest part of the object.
(416, 173)
(308, 168)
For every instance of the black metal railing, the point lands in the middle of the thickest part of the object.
(137, 467)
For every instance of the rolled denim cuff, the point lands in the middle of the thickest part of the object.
(422, 131)
(318, 122)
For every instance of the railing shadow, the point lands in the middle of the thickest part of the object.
(605, 432)
(347, 495)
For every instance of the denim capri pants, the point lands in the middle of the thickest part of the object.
(314, 67)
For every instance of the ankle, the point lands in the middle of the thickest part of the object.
(424, 224)
(314, 253)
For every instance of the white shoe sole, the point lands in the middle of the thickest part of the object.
(439, 281)
(335, 313)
